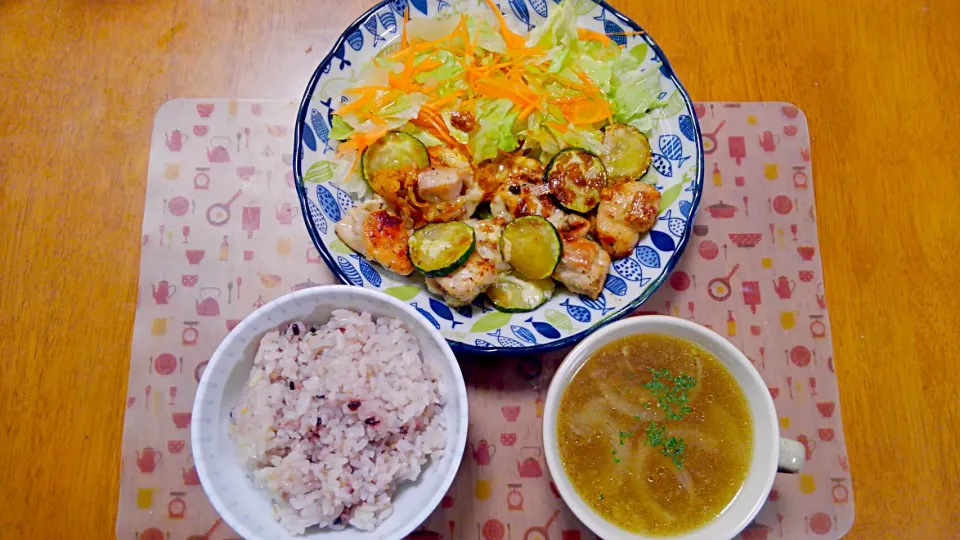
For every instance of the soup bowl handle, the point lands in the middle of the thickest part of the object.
(792, 456)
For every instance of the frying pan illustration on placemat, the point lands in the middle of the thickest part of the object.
(219, 213)
(541, 533)
(719, 288)
(206, 536)
(710, 139)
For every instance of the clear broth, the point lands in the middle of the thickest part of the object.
(638, 488)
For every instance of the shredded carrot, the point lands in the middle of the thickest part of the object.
(467, 45)
(361, 141)
(494, 66)
(568, 99)
(562, 128)
(414, 48)
(383, 100)
(501, 89)
(592, 35)
(404, 42)
(426, 65)
(583, 114)
(435, 125)
(354, 105)
(588, 82)
(449, 98)
(526, 112)
(353, 166)
(513, 40)
(365, 89)
(469, 104)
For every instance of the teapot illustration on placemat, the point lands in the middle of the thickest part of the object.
(163, 291)
(768, 141)
(483, 452)
(784, 287)
(175, 140)
(149, 460)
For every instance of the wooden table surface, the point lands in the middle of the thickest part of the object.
(81, 81)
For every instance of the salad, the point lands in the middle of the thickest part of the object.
(499, 164)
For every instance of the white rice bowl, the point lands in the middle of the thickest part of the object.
(350, 428)
(334, 415)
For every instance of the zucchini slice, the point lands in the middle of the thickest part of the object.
(576, 177)
(483, 211)
(531, 244)
(511, 293)
(438, 249)
(394, 151)
(625, 153)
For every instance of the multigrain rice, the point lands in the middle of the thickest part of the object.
(335, 416)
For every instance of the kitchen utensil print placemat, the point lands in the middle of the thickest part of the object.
(223, 234)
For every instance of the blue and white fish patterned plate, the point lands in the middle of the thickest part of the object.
(479, 329)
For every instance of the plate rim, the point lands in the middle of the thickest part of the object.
(666, 69)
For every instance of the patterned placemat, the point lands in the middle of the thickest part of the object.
(222, 235)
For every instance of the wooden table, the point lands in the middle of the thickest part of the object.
(79, 85)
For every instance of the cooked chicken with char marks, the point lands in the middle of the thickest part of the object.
(378, 234)
(493, 174)
(350, 227)
(518, 198)
(584, 265)
(626, 210)
(441, 184)
(449, 187)
(445, 191)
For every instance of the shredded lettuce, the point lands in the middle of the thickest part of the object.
(560, 28)
(460, 136)
(482, 33)
(394, 115)
(554, 68)
(495, 131)
(636, 96)
(340, 129)
(595, 63)
(424, 136)
(449, 68)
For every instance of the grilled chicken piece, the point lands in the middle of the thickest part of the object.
(584, 265)
(480, 270)
(350, 228)
(441, 184)
(377, 234)
(572, 227)
(444, 156)
(626, 210)
(493, 174)
(518, 198)
(386, 236)
(438, 186)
